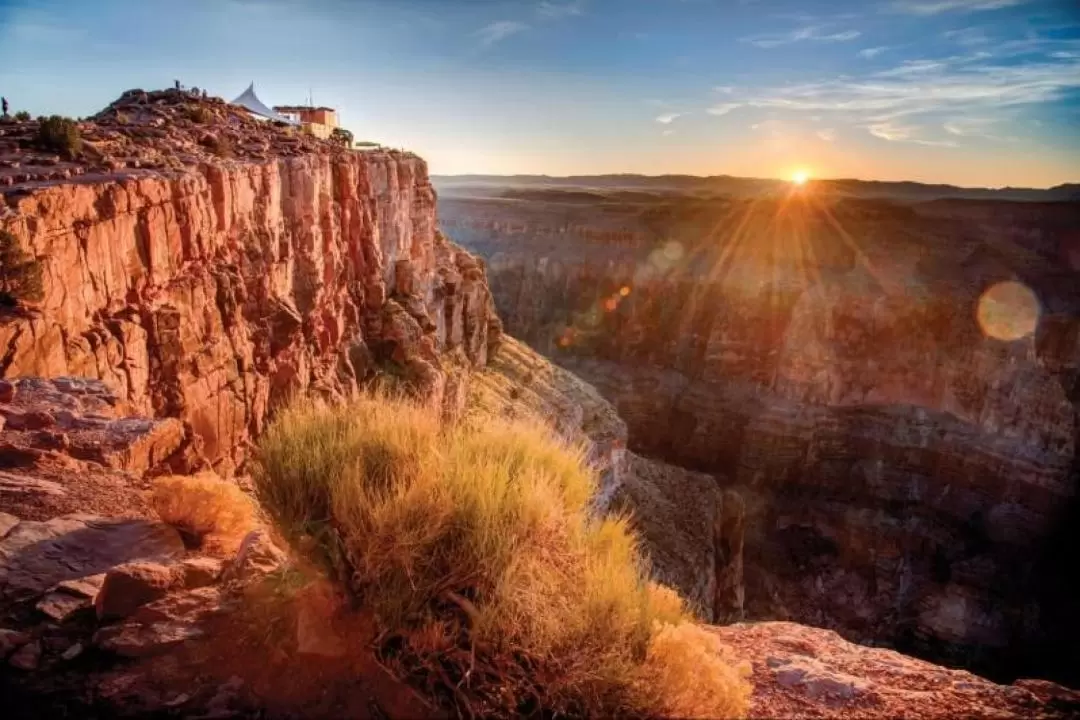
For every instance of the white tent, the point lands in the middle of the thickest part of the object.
(250, 102)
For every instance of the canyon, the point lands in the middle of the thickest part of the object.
(904, 474)
(795, 453)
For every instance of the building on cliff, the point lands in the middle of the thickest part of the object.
(319, 121)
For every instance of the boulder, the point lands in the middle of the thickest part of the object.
(28, 657)
(161, 625)
(60, 606)
(132, 585)
(257, 556)
(200, 572)
(88, 586)
(11, 640)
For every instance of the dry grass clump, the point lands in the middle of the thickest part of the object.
(209, 512)
(687, 674)
(473, 546)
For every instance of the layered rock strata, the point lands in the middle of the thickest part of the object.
(907, 472)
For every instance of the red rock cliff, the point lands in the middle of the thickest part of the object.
(208, 292)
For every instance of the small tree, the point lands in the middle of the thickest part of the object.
(60, 135)
(22, 116)
(20, 274)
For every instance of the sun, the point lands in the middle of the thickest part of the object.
(799, 177)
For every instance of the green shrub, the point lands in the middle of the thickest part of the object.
(60, 135)
(474, 548)
(20, 274)
(22, 116)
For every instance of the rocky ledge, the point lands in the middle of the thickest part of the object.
(806, 672)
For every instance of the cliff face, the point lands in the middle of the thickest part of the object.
(211, 293)
(906, 473)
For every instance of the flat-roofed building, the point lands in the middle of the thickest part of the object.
(319, 121)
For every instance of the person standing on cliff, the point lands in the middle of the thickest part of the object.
(4, 104)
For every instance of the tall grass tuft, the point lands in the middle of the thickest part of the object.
(473, 546)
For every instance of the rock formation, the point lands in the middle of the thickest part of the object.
(907, 475)
(209, 289)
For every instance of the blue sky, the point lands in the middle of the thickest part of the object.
(973, 92)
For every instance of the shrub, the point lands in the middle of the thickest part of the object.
(60, 135)
(20, 274)
(199, 114)
(474, 548)
(688, 674)
(209, 512)
(219, 145)
(22, 116)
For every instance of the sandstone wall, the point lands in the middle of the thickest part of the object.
(211, 293)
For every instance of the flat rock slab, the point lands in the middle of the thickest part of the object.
(800, 671)
(35, 556)
(60, 605)
(137, 640)
(13, 484)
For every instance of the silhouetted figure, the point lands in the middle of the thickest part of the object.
(204, 94)
(4, 104)
(177, 84)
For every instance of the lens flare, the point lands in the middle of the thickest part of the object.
(1008, 311)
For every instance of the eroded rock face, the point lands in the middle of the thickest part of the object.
(906, 473)
(210, 292)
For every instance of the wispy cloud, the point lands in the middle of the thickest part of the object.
(967, 36)
(872, 51)
(827, 134)
(912, 67)
(978, 127)
(723, 108)
(554, 10)
(895, 132)
(910, 101)
(668, 133)
(500, 30)
(668, 118)
(935, 7)
(808, 32)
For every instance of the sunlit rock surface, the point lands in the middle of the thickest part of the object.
(208, 291)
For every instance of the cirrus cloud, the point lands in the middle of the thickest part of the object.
(499, 30)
